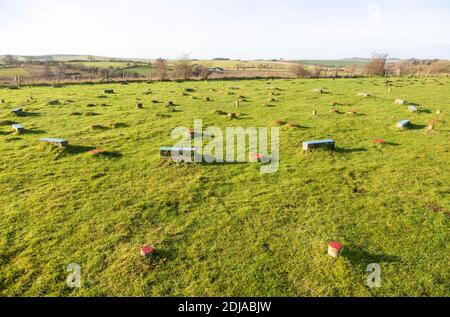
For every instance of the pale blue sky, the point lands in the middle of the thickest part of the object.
(247, 29)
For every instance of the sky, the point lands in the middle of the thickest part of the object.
(236, 29)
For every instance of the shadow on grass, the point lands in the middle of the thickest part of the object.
(78, 149)
(7, 122)
(111, 154)
(362, 258)
(297, 126)
(391, 144)
(13, 139)
(416, 127)
(341, 150)
(117, 125)
(34, 132)
(28, 114)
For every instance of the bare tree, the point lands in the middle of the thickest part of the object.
(317, 72)
(62, 69)
(440, 67)
(300, 71)
(48, 73)
(206, 72)
(352, 70)
(183, 67)
(377, 65)
(161, 68)
(10, 60)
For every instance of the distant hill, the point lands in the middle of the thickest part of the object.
(345, 62)
(68, 57)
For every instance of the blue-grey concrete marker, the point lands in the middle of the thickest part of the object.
(309, 145)
(403, 124)
(412, 108)
(59, 142)
(17, 111)
(18, 128)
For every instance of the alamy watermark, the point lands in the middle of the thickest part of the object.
(74, 278)
(374, 278)
(212, 145)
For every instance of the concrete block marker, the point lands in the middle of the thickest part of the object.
(178, 154)
(146, 251)
(317, 90)
(310, 145)
(363, 94)
(53, 102)
(314, 113)
(403, 124)
(400, 102)
(18, 128)
(139, 105)
(17, 111)
(335, 249)
(53, 141)
(412, 108)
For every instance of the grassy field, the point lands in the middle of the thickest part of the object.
(336, 63)
(11, 72)
(102, 64)
(226, 229)
(140, 70)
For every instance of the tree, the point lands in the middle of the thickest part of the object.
(376, 66)
(48, 73)
(317, 72)
(62, 69)
(183, 67)
(202, 71)
(300, 71)
(161, 68)
(10, 60)
(440, 67)
(205, 73)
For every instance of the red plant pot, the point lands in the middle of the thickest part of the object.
(146, 251)
(334, 249)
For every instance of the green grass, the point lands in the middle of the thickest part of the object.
(140, 70)
(225, 229)
(11, 72)
(101, 64)
(336, 63)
